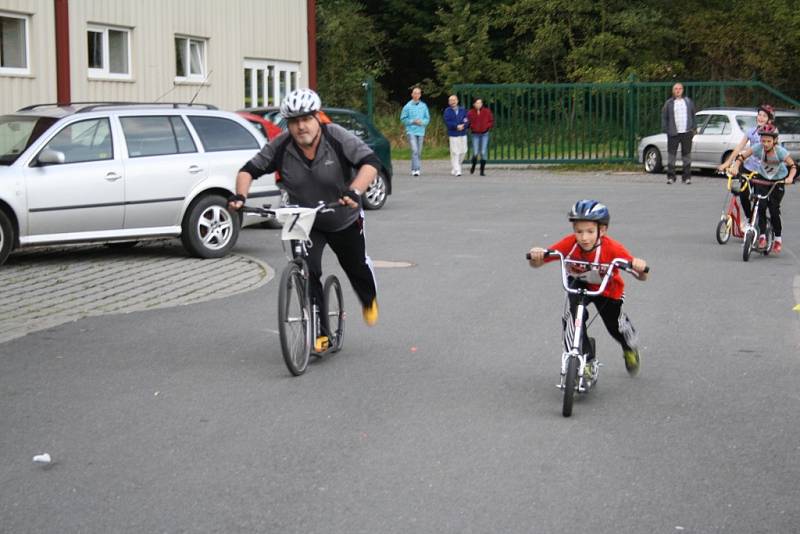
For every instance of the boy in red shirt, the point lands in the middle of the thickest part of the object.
(590, 243)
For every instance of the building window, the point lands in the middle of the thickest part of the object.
(13, 44)
(190, 58)
(109, 52)
(267, 82)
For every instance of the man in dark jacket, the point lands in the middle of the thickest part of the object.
(455, 118)
(677, 121)
(322, 162)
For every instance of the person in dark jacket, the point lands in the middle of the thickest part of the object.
(455, 118)
(480, 123)
(322, 162)
(678, 122)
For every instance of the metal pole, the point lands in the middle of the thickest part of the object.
(369, 84)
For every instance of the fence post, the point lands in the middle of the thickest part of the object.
(631, 116)
(368, 86)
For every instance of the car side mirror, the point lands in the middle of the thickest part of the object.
(49, 156)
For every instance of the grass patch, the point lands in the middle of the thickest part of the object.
(435, 152)
(604, 167)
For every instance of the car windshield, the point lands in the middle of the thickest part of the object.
(788, 124)
(18, 133)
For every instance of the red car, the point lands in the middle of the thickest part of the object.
(267, 128)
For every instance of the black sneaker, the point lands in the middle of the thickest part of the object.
(670, 180)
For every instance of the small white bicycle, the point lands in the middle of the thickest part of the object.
(574, 359)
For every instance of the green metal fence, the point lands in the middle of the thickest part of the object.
(589, 123)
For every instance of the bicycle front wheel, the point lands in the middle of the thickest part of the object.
(334, 311)
(747, 248)
(569, 385)
(724, 230)
(294, 319)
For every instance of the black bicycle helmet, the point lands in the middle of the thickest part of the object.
(589, 210)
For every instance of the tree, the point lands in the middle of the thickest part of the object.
(348, 50)
(462, 50)
(405, 24)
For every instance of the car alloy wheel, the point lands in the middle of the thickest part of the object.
(209, 229)
(375, 195)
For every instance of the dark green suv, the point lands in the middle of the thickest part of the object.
(360, 125)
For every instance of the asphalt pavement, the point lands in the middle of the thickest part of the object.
(445, 416)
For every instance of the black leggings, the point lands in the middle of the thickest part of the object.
(617, 322)
(771, 203)
(350, 248)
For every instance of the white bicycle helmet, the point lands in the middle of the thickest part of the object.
(299, 103)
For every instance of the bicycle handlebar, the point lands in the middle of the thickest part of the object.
(618, 263)
(265, 211)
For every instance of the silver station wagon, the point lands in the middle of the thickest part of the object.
(719, 130)
(122, 173)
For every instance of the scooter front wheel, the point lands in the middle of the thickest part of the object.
(569, 385)
(747, 247)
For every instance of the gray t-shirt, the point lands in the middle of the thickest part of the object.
(324, 178)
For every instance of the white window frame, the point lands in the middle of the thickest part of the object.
(277, 67)
(190, 77)
(105, 73)
(20, 71)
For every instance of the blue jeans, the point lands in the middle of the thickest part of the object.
(415, 141)
(480, 145)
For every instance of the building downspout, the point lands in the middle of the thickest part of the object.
(63, 85)
(311, 15)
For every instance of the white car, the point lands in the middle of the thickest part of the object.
(123, 173)
(719, 130)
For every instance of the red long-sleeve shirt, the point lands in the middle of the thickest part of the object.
(607, 251)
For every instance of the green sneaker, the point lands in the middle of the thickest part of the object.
(588, 370)
(631, 361)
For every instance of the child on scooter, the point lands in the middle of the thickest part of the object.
(589, 242)
(774, 164)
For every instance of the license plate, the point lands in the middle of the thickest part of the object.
(791, 146)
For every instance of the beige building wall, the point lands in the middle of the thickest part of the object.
(39, 85)
(236, 31)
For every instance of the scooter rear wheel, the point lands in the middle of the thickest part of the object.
(724, 229)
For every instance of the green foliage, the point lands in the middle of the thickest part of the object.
(462, 48)
(344, 61)
(438, 44)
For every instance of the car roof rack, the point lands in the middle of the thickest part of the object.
(93, 105)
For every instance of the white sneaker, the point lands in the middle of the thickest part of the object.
(417, 173)
(458, 174)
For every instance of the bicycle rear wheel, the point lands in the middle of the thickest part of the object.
(334, 311)
(569, 385)
(724, 229)
(294, 319)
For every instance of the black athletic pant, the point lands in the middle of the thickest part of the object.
(350, 248)
(685, 141)
(610, 311)
(771, 203)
